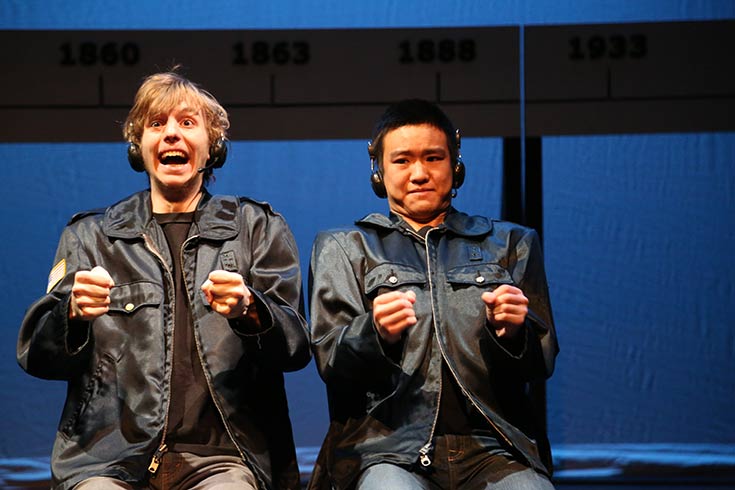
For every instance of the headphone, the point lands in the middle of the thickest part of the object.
(376, 177)
(217, 156)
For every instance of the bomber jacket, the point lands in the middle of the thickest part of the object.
(118, 366)
(384, 399)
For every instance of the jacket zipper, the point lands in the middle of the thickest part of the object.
(162, 447)
(204, 370)
(157, 456)
(424, 457)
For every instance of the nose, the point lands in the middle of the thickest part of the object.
(172, 131)
(418, 172)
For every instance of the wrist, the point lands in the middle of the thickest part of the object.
(247, 303)
(73, 310)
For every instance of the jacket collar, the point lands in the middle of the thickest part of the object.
(216, 217)
(456, 222)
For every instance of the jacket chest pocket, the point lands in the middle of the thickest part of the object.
(129, 298)
(484, 276)
(389, 277)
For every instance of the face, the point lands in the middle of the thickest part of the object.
(417, 172)
(174, 145)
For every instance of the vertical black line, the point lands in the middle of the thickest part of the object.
(522, 118)
(534, 199)
(534, 218)
(272, 82)
(511, 205)
(101, 90)
(438, 86)
(530, 213)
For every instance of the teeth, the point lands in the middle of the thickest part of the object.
(173, 154)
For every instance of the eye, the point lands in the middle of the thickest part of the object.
(187, 122)
(399, 159)
(154, 124)
(436, 157)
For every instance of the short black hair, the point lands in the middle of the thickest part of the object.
(411, 112)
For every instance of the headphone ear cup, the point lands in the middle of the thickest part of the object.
(135, 158)
(217, 154)
(459, 172)
(376, 181)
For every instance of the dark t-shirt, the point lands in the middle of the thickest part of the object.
(194, 423)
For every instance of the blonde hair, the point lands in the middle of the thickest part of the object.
(161, 92)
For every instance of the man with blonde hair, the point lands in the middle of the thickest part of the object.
(172, 316)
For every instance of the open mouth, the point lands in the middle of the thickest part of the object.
(173, 157)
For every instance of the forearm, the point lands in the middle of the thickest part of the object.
(279, 337)
(352, 352)
(49, 345)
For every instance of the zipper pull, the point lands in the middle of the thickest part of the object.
(424, 454)
(156, 460)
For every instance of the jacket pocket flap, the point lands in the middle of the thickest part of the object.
(127, 298)
(479, 275)
(392, 276)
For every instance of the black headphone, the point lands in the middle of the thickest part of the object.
(217, 156)
(376, 177)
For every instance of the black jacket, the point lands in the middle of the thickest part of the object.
(118, 366)
(383, 404)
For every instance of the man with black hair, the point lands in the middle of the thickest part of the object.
(427, 327)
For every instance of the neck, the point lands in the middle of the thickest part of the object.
(417, 224)
(175, 204)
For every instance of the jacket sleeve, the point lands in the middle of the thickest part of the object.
(49, 345)
(532, 356)
(346, 345)
(274, 279)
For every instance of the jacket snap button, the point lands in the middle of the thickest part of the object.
(392, 279)
(479, 279)
(129, 307)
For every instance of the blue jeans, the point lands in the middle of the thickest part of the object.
(459, 462)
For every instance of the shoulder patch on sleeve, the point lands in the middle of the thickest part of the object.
(57, 274)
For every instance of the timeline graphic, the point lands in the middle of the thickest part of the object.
(332, 83)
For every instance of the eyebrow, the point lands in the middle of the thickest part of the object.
(426, 151)
(186, 111)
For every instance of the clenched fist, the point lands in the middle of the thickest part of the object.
(90, 294)
(227, 294)
(506, 309)
(393, 313)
